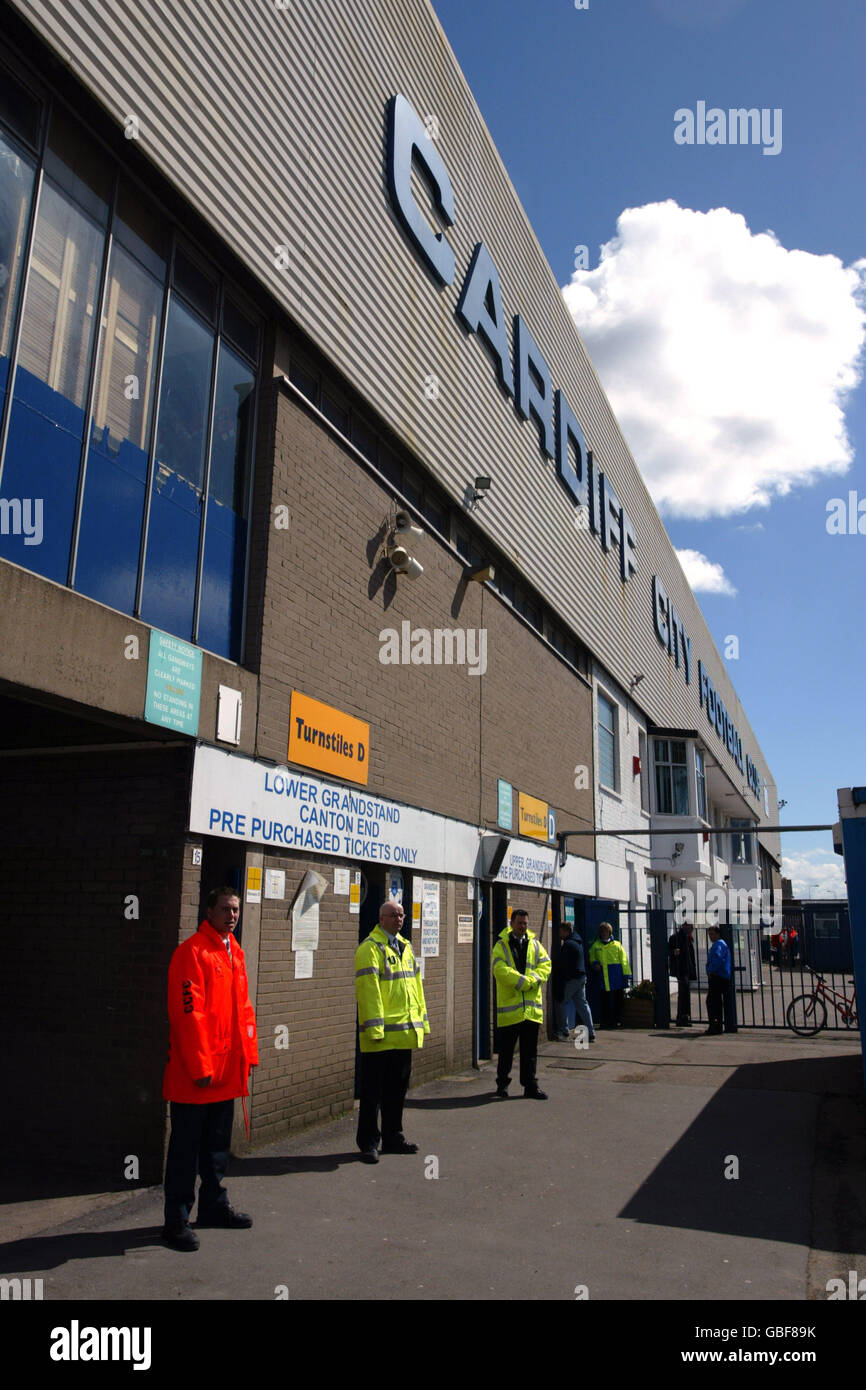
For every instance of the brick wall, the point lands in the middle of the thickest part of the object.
(440, 737)
(313, 1078)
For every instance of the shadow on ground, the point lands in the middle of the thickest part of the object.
(744, 1167)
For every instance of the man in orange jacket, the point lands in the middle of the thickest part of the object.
(212, 1045)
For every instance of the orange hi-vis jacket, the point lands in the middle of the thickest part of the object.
(212, 1026)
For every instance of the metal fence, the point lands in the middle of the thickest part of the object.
(773, 967)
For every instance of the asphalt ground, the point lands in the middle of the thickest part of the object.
(663, 1165)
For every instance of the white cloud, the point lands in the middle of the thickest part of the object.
(815, 874)
(704, 576)
(727, 357)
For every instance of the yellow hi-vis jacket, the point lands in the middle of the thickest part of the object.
(518, 997)
(391, 1007)
(610, 954)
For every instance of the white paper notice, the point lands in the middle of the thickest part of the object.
(464, 928)
(430, 903)
(341, 882)
(355, 894)
(305, 925)
(304, 965)
(430, 918)
(275, 883)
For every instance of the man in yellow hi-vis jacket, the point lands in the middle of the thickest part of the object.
(392, 1020)
(520, 967)
(608, 958)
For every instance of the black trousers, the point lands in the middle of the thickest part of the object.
(526, 1033)
(684, 1000)
(384, 1081)
(611, 1007)
(200, 1142)
(717, 1001)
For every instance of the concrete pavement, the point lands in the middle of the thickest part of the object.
(617, 1184)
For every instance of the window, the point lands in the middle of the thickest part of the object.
(115, 480)
(826, 925)
(366, 442)
(741, 845)
(644, 771)
(307, 382)
(17, 177)
(55, 347)
(607, 743)
(335, 410)
(132, 395)
(672, 781)
(702, 784)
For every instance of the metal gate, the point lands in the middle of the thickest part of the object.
(772, 967)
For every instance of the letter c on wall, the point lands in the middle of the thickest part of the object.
(407, 139)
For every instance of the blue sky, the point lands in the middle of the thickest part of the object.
(733, 359)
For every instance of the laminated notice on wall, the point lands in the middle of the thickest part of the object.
(429, 939)
(304, 965)
(254, 884)
(275, 883)
(355, 894)
(305, 924)
(464, 928)
(416, 916)
(417, 889)
(341, 882)
(470, 888)
(430, 903)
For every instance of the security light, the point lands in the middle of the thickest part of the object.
(404, 524)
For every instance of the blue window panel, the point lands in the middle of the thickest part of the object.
(220, 610)
(168, 595)
(115, 480)
(172, 554)
(42, 460)
(222, 590)
(17, 177)
(110, 535)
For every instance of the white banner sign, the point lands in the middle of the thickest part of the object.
(238, 798)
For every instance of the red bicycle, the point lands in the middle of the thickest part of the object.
(807, 1013)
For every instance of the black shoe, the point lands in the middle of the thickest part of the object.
(225, 1216)
(400, 1146)
(711, 1032)
(179, 1235)
(502, 1093)
(534, 1093)
(369, 1155)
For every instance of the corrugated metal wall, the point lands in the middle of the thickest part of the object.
(272, 122)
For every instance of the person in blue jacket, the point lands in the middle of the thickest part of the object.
(718, 976)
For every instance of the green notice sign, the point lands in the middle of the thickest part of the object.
(173, 684)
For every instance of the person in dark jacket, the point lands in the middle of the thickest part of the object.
(569, 983)
(683, 965)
